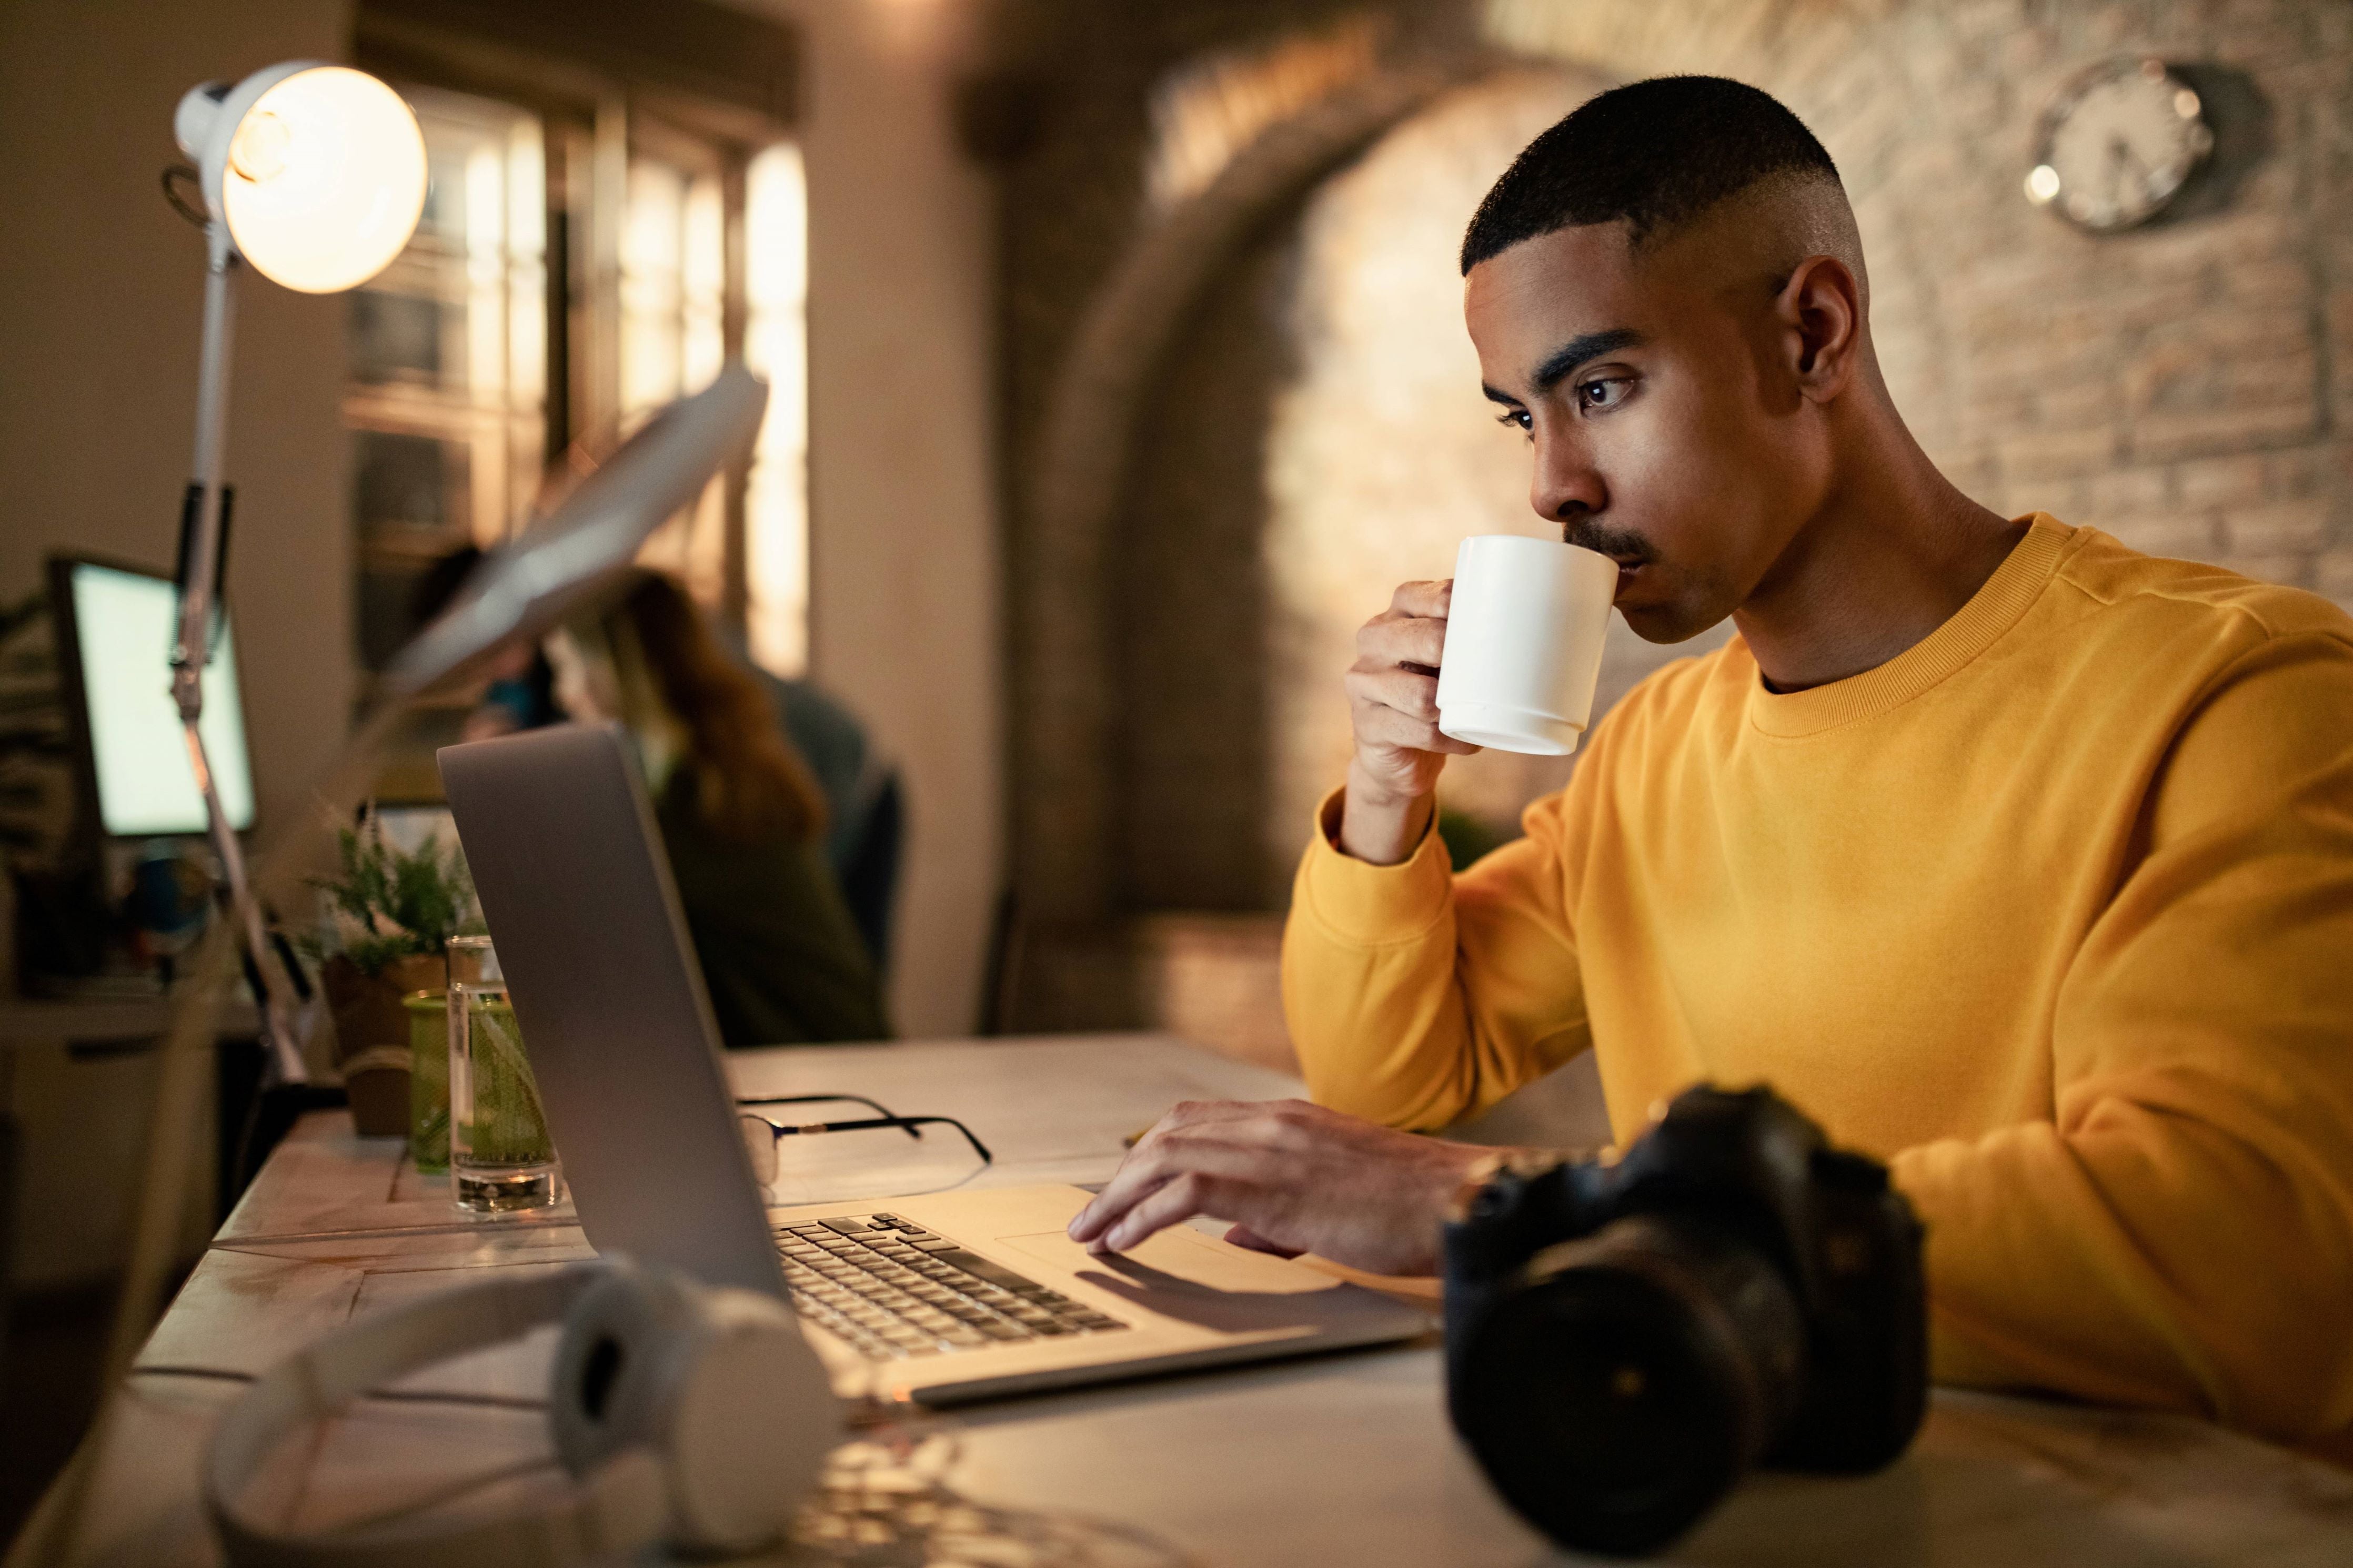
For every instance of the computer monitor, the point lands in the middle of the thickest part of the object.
(114, 629)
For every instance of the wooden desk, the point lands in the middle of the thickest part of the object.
(1345, 1459)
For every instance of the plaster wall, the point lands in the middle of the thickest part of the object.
(101, 286)
(902, 480)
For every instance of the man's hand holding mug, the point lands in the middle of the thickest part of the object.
(1523, 621)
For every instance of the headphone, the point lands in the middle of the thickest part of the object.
(691, 1414)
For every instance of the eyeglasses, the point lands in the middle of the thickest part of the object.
(761, 1136)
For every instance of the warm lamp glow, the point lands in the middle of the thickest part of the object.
(318, 170)
(325, 180)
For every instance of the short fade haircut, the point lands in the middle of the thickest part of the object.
(1653, 154)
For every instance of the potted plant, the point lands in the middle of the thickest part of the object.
(391, 915)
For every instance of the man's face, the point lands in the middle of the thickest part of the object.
(1665, 419)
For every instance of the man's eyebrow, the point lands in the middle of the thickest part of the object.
(1579, 350)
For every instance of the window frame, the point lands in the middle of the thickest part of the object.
(594, 122)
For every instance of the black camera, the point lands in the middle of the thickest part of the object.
(1624, 1339)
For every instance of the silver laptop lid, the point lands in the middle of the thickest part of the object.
(574, 884)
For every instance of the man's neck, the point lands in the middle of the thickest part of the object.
(1892, 555)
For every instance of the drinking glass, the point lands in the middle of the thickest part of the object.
(500, 1158)
(428, 1081)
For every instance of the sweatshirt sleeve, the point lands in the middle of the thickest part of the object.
(1416, 997)
(2181, 1234)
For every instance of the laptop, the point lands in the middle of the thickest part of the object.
(938, 1299)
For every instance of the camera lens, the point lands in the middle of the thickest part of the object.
(1632, 1378)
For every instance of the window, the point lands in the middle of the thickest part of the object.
(775, 345)
(448, 362)
(594, 244)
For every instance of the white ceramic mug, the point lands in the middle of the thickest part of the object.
(1524, 643)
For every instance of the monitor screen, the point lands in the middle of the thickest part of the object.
(123, 627)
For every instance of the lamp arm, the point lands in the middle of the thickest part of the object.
(200, 540)
(277, 1024)
(202, 549)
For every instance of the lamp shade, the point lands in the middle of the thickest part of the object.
(318, 170)
(564, 561)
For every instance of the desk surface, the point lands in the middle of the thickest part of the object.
(1342, 1459)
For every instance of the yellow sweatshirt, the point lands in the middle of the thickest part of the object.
(2054, 911)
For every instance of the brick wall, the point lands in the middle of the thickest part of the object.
(2186, 385)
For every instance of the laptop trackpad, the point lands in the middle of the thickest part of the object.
(1180, 1273)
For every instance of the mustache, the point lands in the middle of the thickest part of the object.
(1620, 545)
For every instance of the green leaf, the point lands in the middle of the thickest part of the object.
(399, 903)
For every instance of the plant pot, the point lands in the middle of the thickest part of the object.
(372, 1035)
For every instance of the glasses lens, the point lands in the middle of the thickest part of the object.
(760, 1143)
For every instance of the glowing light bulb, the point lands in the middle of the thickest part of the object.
(2042, 184)
(260, 151)
(324, 179)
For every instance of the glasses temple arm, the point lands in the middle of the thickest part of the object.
(876, 1106)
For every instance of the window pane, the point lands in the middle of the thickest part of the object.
(395, 338)
(412, 494)
(448, 350)
(673, 340)
(777, 566)
(652, 240)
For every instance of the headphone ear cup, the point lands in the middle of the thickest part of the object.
(750, 1427)
(717, 1385)
(620, 1340)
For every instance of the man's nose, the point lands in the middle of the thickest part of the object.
(1566, 483)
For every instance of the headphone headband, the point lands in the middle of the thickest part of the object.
(621, 1507)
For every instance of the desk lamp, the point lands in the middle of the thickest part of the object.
(563, 561)
(315, 174)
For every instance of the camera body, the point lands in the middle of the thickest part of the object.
(1625, 1338)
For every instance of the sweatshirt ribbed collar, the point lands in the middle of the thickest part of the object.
(1993, 609)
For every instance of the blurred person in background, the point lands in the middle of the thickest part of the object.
(864, 809)
(741, 816)
(865, 814)
(521, 692)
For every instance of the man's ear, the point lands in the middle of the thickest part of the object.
(1820, 311)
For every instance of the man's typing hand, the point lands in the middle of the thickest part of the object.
(1292, 1177)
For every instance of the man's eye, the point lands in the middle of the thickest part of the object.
(1517, 419)
(1608, 393)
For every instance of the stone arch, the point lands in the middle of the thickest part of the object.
(1085, 450)
(1838, 62)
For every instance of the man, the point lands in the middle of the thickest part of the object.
(2016, 858)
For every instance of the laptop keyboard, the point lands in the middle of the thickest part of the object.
(893, 1290)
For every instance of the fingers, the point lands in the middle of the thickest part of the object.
(1393, 686)
(1120, 1195)
(1140, 1176)
(1173, 1202)
(1391, 639)
(1413, 695)
(1197, 1113)
(1139, 1172)
(1194, 1134)
(1243, 1235)
(1398, 709)
(1382, 726)
(1423, 598)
